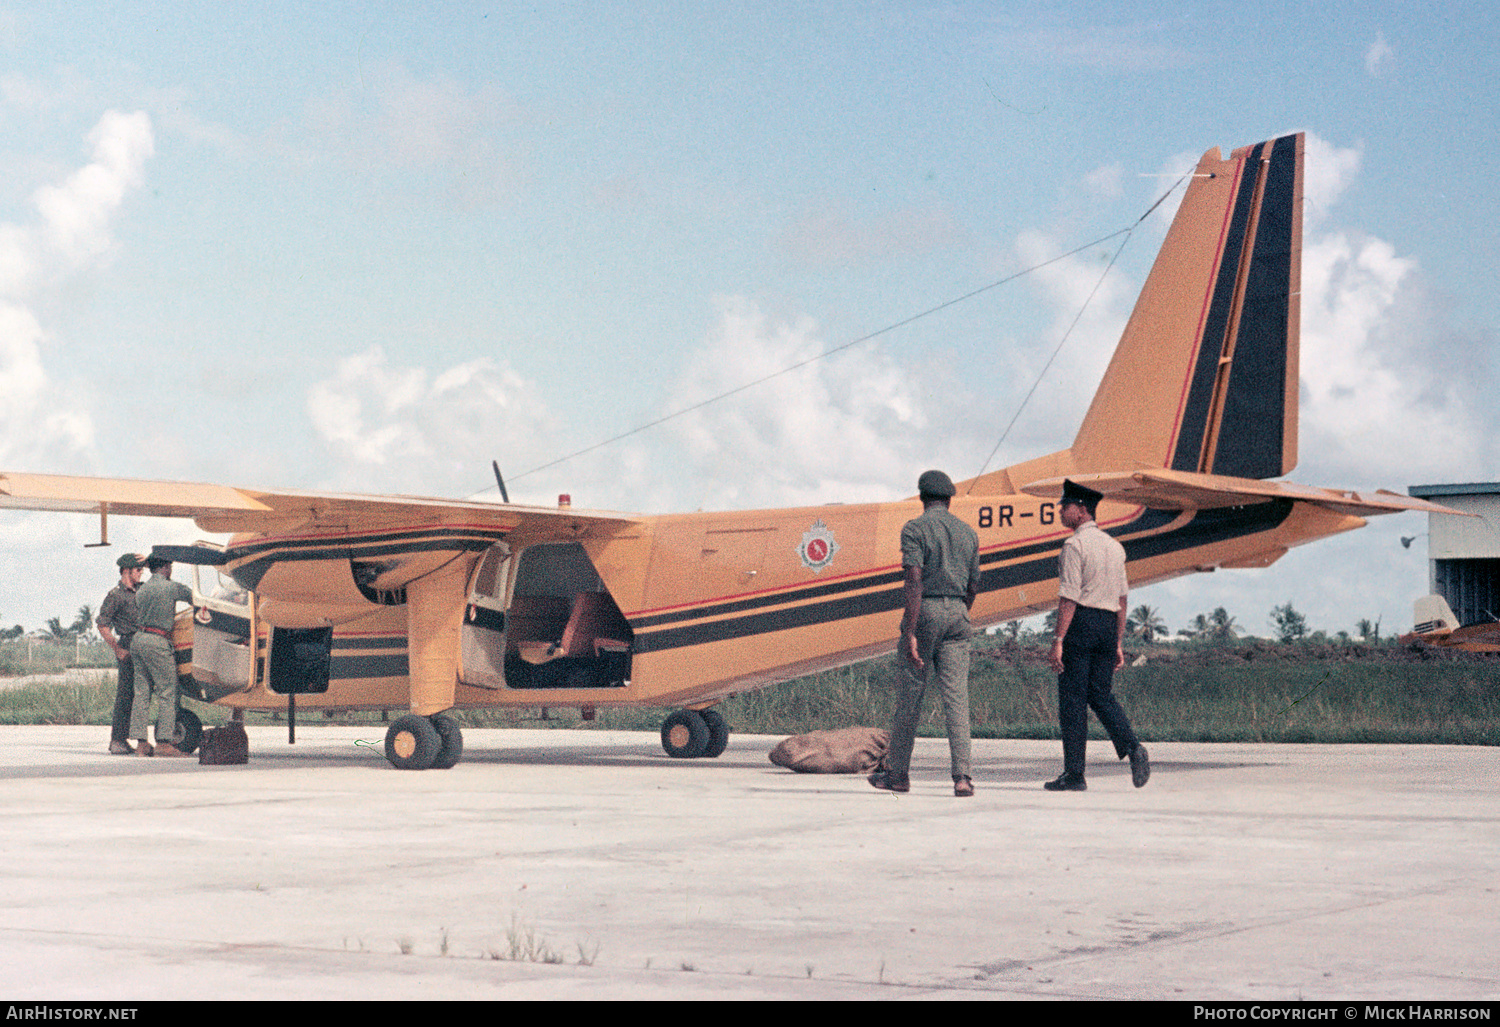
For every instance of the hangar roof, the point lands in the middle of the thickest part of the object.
(1478, 488)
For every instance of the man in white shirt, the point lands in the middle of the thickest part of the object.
(1089, 647)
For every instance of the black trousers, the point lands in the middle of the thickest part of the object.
(1087, 683)
(119, 724)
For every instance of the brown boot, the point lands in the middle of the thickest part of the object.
(168, 749)
(142, 747)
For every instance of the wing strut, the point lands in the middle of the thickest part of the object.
(103, 528)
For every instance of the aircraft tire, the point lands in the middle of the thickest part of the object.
(451, 737)
(718, 733)
(412, 743)
(189, 731)
(684, 735)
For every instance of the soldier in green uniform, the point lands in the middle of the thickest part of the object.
(151, 652)
(117, 623)
(940, 564)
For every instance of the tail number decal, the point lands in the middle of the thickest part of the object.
(1044, 514)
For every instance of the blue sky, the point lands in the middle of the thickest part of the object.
(372, 246)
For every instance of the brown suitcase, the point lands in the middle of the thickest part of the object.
(227, 744)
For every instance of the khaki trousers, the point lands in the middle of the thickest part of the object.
(155, 678)
(943, 634)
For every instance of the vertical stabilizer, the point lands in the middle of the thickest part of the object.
(1204, 378)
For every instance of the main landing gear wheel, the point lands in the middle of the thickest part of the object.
(690, 734)
(452, 737)
(189, 732)
(718, 734)
(412, 743)
(685, 735)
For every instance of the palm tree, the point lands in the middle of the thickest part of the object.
(1290, 625)
(1221, 625)
(83, 623)
(1199, 627)
(1145, 622)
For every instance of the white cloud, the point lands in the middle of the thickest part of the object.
(1385, 402)
(436, 124)
(38, 420)
(1388, 395)
(1327, 172)
(406, 429)
(1090, 308)
(834, 237)
(1106, 181)
(76, 214)
(845, 428)
(1379, 56)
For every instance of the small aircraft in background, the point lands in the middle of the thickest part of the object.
(1434, 624)
(339, 601)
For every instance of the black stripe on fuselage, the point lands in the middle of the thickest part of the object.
(353, 547)
(388, 665)
(368, 656)
(994, 578)
(1033, 563)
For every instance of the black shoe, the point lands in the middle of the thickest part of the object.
(1140, 766)
(1067, 783)
(883, 780)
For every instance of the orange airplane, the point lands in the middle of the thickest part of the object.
(1435, 625)
(338, 601)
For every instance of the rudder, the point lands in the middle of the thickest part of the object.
(1204, 378)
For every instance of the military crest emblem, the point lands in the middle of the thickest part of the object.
(818, 547)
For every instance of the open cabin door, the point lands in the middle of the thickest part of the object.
(558, 628)
(482, 655)
(224, 645)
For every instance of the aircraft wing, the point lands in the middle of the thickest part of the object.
(1163, 489)
(228, 509)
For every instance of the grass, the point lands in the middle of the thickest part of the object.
(525, 946)
(76, 699)
(1251, 691)
(41, 656)
(1244, 692)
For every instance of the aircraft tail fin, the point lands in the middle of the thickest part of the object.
(1204, 379)
(1432, 614)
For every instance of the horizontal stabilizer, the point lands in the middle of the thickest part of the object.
(1185, 490)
